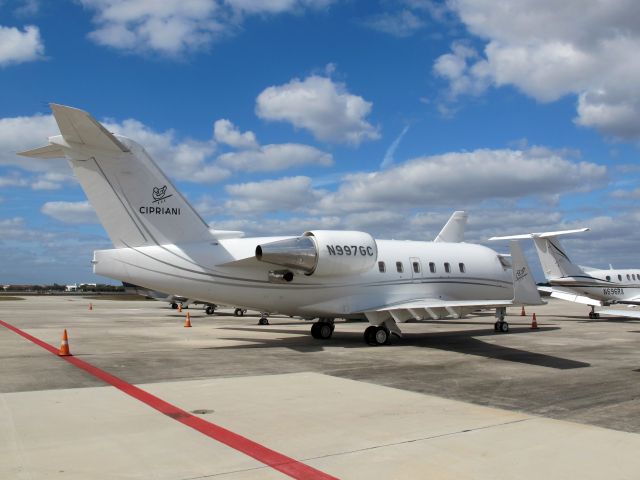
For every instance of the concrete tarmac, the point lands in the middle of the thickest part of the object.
(452, 399)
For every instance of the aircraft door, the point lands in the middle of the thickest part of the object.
(416, 267)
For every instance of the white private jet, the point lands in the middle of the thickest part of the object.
(161, 243)
(574, 283)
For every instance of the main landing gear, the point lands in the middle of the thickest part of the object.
(323, 329)
(377, 335)
(239, 312)
(593, 314)
(501, 325)
(210, 309)
(263, 319)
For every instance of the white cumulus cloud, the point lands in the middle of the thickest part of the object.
(18, 46)
(466, 178)
(275, 157)
(70, 212)
(177, 27)
(289, 193)
(320, 105)
(550, 49)
(226, 132)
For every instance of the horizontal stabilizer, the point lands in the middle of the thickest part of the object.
(77, 126)
(540, 234)
(48, 151)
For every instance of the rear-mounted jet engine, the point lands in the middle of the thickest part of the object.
(322, 253)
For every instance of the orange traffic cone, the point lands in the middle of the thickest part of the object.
(534, 323)
(64, 345)
(187, 322)
(90, 306)
(522, 313)
(180, 307)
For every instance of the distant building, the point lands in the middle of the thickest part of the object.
(71, 288)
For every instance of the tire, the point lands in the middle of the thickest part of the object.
(174, 306)
(325, 331)
(369, 332)
(209, 310)
(263, 321)
(504, 327)
(496, 327)
(381, 336)
(314, 330)
(238, 312)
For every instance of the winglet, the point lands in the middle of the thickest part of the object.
(525, 290)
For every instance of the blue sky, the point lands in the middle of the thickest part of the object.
(278, 116)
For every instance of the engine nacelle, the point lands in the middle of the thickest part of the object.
(323, 252)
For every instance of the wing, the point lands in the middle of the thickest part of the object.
(570, 296)
(619, 313)
(431, 308)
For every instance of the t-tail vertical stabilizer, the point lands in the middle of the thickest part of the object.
(453, 230)
(136, 203)
(555, 262)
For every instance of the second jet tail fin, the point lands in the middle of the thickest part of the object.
(554, 260)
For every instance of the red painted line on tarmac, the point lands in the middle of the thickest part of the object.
(273, 459)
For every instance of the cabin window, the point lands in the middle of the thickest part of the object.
(628, 277)
(381, 267)
(432, 267)
(619, 278)
(608, 278)
(462, 267)
(447, 267)
(416, 267)
(399, 267)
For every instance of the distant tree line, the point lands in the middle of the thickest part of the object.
(83, 287)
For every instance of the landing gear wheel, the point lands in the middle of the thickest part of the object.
(325, 331)
(496, 326)
(174, 305)
(209, 310)
(369, 333)
(314, 330)
(592, 315)
(381, 336)
(596, 315)
(504, 327)
(238, 312)
(263, 321)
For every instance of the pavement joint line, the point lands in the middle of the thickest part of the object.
(265, 455)
(413, 440)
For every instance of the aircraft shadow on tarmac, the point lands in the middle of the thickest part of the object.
(465, 342)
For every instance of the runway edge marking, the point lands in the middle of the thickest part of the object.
(271, 458)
